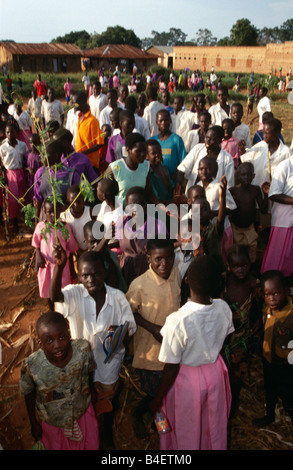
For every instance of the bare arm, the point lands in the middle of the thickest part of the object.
(169, 375)
(60, 259)
(150, 327)
(282, 199)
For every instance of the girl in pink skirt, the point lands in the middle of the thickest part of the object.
(194, 393)
(279, 252)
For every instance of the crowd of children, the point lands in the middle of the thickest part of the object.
(118, 277)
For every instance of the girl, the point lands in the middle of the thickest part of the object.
(229, 142)
(242, 293)
(43, 242)
(279, 251)
(116, 145)
(161, 183)
(197, 136)
(134, 169)
(13, 161)
(25, 123)
(194, 392)
(57, 379)
(34, 162)
(277, 346)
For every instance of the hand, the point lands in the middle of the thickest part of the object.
(265, 187)
(242, 146)
(40, 261)
(223, 185)
(59, 256)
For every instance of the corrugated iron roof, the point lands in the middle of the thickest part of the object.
(118, 51)
(41, 48)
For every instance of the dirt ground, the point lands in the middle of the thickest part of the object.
(20, 306)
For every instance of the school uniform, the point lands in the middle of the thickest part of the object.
(52, 111)
(150, 114)
(173, 152)
(97, 104)
(218, 114)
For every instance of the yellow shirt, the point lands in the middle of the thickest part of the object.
(278, 332)
(89, 134)
(154, 298)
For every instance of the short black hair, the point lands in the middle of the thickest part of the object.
(237, 250)
(51, 317)
(275, 123)
(204, 276)
(132, 139)
(91, 256)
(273, 274)
(109, 186)
(219, 131)
(158, 243)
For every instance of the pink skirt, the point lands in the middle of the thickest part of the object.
(53, 438)
(227, 240)
(17, 185)
(279, 251)
(197, 407)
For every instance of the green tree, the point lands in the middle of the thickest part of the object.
(243, 33)
(173, 37)
(114, 35)
(80, 38)
(204, 37)
(269, 35)
(286, 31)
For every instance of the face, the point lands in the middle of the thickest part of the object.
(112, 100)
(92, 275)
(205, 171)
(246, 175)
(163, 122)
(55, 342)
(106, 129)
(269, 134)
(200, 104)
(275, 295)
(236, 114)
(205, 212)
(49, 212)
(212, 141)
(239, 266)
(138, 153)
(154, 154)
(77, 207)
(165, 97)
(96, 89)
(136, 199)
(204, 123)
(177, 105)
(127, 126)
(50, 95)
(195, 194)
(228, 129)
(10, 133)
(162, 261)
(222, 96)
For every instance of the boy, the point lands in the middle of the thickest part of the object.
(150, 310)
(92, 308)
(161, 183)
(222, 109)
(182, 119)
(230, 142)
(173, 148)
(197, 136)
(243, 218)
(150, 111)
(241, 130)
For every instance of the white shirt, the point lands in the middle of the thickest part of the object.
(218, 114)
(142, 127)
(24, 120)
(77, 225)
(258, 155)
(150, 114)
(182, 123)
(242, 132)
(12, 158)
(80, 309)
(282, 183)
(194, 335)
(52, 111)
(105, 115)
(264, 105)
(190, 163)
(34, 107)
(86, 80)
(97, 103)
(71, 124)
(192, 139)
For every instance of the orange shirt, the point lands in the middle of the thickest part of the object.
(89, 134)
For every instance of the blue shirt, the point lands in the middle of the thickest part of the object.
(173, 151)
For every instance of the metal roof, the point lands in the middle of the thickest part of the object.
(118, 51)
(41, 48)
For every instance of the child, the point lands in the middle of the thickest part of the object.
(57, 379)
(77, 215)
(165, 98)
(161, 183)
(197, 136)
(222, 109)
(34, 162)
(279, 251)
(92, 308)
(114, 120)
(277, 341)
(106, 132)
(250, 102)
(13, 161)
(132, 170)
(242, 294)
(150, 111)
(241, 130)
(173, 149)
(150, 311)
(229, 142)
(243, 217)
(194, 393)
(183, 120)
(43, 241)
(116, 145)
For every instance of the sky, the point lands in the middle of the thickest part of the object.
(41, 21)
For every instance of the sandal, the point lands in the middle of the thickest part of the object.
(116, 339)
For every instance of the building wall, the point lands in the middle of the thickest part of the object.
(235, 59)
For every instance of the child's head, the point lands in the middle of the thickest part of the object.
(222, 95)
(154, 152)
(54, 151)
(163, 120)
(195, 193)
(76, 200)
(205, 211)
(204, 121)
(106, 130)
(92, 272)
(10, 133)
(49, 210)
(245, 173)
(213, 138)
(160, 255)
(136, 196)
(136, 147)
(228, 126)
(107, 190)
(207, 169)
(271, 130)
(131, 103)
(54, 337)
(151, 93)
(267, 115)
(96, 88)
(165, 97)
(114, 117)
(112, 97)
(236, 113)
(126, 122)
(52, 127)
(64, 136)
(178, 103)
(200, 102)
(204, 277)
(275, 289)
(238, 261)
(35, 142)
